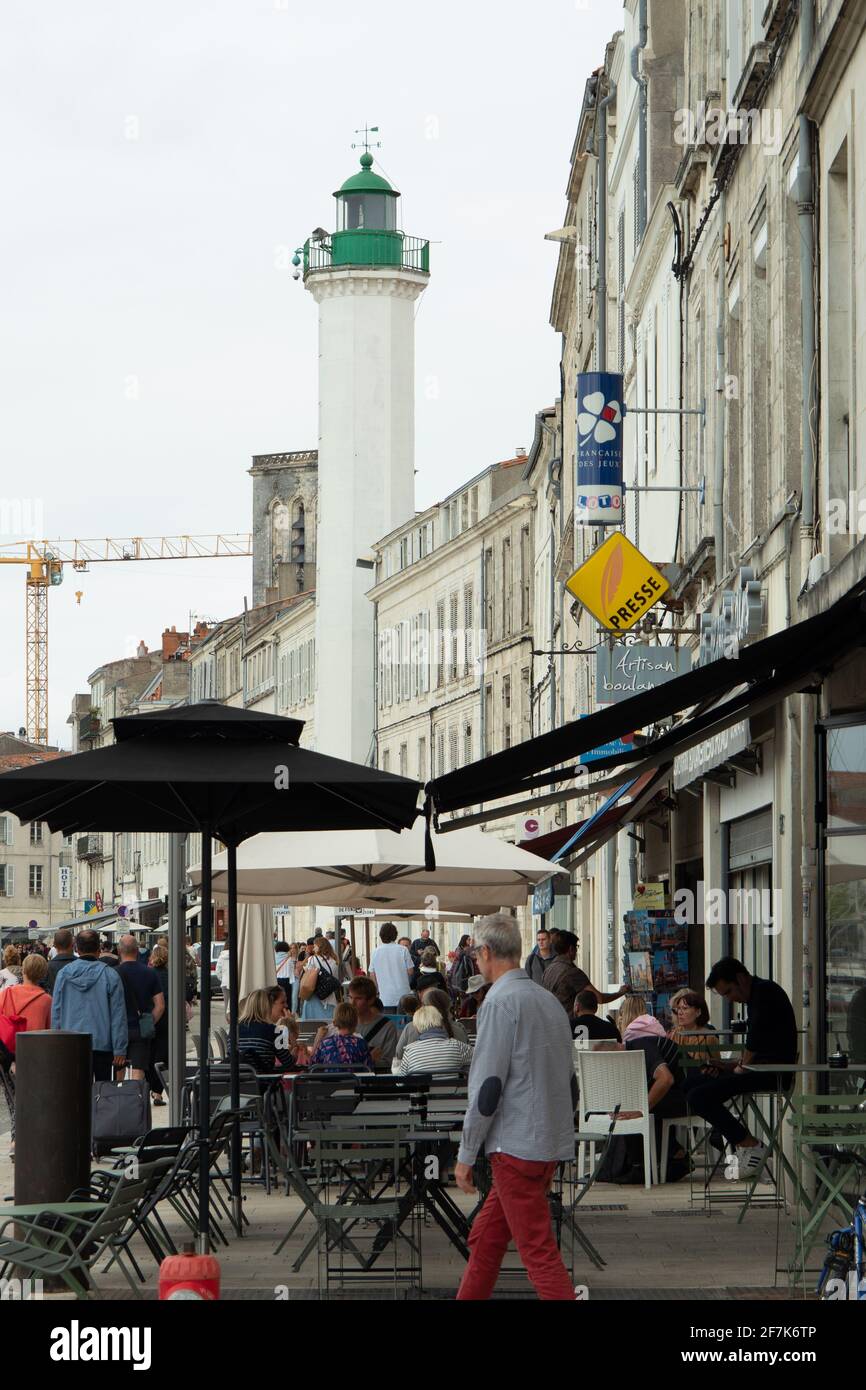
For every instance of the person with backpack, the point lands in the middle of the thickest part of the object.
(89, 998)
(320, 983)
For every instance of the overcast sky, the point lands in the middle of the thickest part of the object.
(159, 158)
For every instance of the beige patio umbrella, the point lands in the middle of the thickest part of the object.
(256, 963)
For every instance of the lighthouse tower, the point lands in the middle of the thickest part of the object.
(365, 277)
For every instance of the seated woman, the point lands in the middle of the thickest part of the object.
(692, 1030)
(342, 1046)
(427, 974)
(435, 999)
(434, 1049)
(262, 1021)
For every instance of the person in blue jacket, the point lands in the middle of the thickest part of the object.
(89, 998)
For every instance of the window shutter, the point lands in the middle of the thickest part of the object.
(621, 268)
(10, 880)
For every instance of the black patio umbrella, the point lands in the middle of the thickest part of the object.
(227, 773)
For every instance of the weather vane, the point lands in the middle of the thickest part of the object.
(367, 131)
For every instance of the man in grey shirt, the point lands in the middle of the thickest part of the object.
(522, 1098)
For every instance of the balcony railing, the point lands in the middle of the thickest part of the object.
(89, 847)
(367, 249)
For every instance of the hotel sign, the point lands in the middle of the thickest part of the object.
(698, 761)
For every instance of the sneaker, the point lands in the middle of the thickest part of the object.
(750, 1160)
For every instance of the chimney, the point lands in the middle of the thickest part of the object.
(171, 640)
(142, 650)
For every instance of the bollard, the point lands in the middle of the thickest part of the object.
(53, 1076)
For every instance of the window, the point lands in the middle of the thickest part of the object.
(405, 556)
(453, 750)
(440, 644)
(440, 754)
(842, 841)
(507, 587)
(621, 289)
(422, 760)
(524, 576)
(452, 638)
(467, 744)
(464, 512)
(36, 880)
(468, 625)
(473, 506)
(525, 710)
(7, 880)
(359, 212)
(488, 719)
(506, 711)
(6, 835)
(488, 595)
(386, 761)
(404, 760)
(36, 832)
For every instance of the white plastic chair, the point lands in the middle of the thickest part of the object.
(694, 1127)
(607, 1080)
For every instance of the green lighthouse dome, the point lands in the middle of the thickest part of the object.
(367, 232)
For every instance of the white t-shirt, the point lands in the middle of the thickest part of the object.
(392, 966)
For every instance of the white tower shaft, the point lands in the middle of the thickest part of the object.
(366, 480)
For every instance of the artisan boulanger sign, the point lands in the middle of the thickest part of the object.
(740, 616)
(598, 489)
(617, 584)
(621, 672)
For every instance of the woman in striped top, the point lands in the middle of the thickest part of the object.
(434, 1050)
(260, 1022)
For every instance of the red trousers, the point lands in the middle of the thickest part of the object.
(516, 1208)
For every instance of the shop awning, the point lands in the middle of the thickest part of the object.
(765, 671)
(558, 844)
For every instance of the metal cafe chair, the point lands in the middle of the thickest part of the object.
(830, 1142)
(360, 1174)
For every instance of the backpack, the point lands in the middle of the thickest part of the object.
(326, 984)
(10, 1026)
(462, 973)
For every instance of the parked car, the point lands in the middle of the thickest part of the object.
(216, 949)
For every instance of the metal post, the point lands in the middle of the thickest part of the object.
(176, 1002)
(234, 1059)
(204, 1060)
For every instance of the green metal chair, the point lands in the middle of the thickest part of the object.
(64, 1240)
(829, 1131)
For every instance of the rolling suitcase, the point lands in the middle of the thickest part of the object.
(121, 1114)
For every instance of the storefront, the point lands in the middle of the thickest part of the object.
(841, 820)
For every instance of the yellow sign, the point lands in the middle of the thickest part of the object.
(617, 584)
(649, 895)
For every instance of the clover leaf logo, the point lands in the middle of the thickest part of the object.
(597, 418)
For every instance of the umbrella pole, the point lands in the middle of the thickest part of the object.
(204, 1059)
(234, 1059)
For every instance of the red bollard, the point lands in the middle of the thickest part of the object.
(189, 1276)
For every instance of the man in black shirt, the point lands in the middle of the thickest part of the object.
(64, 954)
(771, 1037)
(587, 1025)
(144, 995)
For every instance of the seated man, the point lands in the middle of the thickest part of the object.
(587, 1025)
(771, 1037)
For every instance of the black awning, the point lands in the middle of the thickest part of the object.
(774, 664)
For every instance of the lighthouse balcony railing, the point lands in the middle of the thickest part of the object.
(367, 248)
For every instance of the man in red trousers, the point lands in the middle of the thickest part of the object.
(522, 1098)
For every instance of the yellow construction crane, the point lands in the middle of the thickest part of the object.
(45, 561)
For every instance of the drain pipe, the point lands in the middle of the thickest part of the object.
(642, 85)
(601, 193)
(805, 197)
(721, 410)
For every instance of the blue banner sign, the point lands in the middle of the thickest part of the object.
(598, 496)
